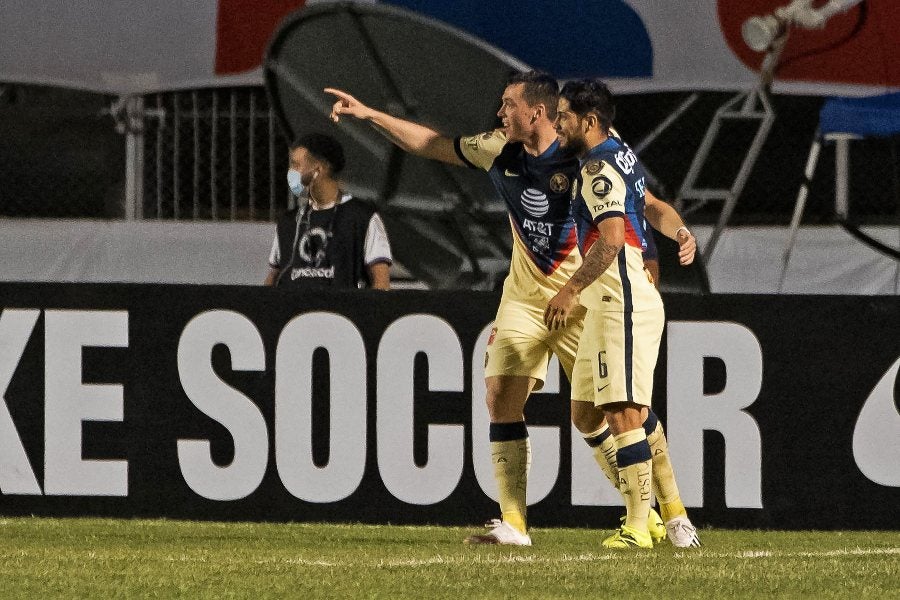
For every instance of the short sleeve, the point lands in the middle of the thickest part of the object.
(275, 254)
(377, 247)
(480, 151)
(603, 190)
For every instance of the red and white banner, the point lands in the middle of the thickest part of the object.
(134, 46)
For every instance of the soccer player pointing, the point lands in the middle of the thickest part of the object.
(619, 345)
(534, 177)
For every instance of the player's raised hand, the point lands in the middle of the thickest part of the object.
(345, 105)
(687, 246)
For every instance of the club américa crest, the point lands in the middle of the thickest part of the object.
(559, 183)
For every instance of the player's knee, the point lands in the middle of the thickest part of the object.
(623, 416)
(586, 417)
(506, 396)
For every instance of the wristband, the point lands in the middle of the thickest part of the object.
(686, 230)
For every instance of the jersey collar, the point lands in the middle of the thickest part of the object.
(609, 144)
(545, 154)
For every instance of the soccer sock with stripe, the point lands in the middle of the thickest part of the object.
(664, 485)
(635, 473)
(604, 450)
(511, 457)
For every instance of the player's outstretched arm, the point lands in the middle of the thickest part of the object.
(412, 137)
(663, 217)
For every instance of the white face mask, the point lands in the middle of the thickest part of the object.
(295, 182)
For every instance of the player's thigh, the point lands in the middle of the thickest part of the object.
(518, 345)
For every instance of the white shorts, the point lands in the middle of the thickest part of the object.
(520, 343)
(617, 356)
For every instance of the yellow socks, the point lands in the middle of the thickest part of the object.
(603, 446)
(664, 485)
(604, 450)
(635, 470)
(511, 457)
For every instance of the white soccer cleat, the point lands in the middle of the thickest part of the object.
(501, 533)
(682, 533)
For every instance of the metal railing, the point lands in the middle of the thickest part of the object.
(209, 154)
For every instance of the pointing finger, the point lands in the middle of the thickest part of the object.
(343, 96)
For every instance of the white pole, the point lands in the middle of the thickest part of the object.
(134, 158)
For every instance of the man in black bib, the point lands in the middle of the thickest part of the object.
(331, 239)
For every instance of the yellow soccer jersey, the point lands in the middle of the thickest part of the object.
(610, 184)
(537, 192)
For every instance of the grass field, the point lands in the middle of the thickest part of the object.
(106, 558)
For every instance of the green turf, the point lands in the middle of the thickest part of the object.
(106, 558)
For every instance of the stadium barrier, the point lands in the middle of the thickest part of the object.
(247, 403)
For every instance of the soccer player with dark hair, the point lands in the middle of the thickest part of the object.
(534, 178)
(618, 349)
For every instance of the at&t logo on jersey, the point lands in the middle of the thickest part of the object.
(535, 202)
(537, 227)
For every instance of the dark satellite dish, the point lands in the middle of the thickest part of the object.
(447, 225)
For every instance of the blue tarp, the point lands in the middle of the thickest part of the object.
(873, 116)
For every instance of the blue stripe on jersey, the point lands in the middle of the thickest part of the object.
(628, 326)
(639, 236)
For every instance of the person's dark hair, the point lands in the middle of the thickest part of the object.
(590, 96)
(538, 88)
(322, 147)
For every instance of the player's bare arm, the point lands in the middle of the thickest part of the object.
(663, 217)
(412, 137)
(598, 259)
